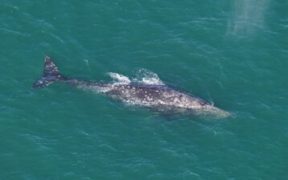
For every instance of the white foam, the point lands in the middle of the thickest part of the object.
(147, 77)
(119, 78)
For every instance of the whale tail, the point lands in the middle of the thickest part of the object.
(50, 74)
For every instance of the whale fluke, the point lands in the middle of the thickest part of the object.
(50, 74)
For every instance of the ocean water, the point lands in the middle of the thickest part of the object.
(233, 53)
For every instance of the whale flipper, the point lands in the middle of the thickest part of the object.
(50, 74)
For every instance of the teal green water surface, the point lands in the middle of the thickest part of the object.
(233, 53)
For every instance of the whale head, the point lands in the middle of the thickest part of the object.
(210, 110)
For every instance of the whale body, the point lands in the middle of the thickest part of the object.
(155, 96)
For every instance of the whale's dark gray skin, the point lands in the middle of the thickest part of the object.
(160, 97)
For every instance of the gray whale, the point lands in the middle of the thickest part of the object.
(159, 97)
